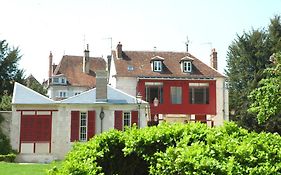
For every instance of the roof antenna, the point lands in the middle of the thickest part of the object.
(186, 43)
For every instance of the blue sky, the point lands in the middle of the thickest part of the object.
(65, 26)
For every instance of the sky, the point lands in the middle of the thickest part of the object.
(64, 27)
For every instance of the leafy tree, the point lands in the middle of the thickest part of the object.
(247, 58)
(33, 84)
(266, 98)
(9, 71)
(5, 104)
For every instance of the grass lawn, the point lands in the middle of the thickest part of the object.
(25, 169)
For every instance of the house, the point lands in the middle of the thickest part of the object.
(43, 129)
(73, 75)
(178, 86)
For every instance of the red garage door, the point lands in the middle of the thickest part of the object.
(36, 129)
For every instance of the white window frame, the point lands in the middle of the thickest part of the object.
(62, 94)
(127, 114)
(83, 136)
(187, 66)
(57, 80)
(205, 94)
(157, 66)
(63, 80)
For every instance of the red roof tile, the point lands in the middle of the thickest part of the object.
(138, 64)
(71, 67)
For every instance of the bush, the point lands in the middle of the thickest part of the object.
(176, 149)
(8, 158)
(5, 147)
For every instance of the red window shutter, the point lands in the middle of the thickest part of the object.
(91, 124)
(74, 133)
(135, 115)
(118, 123)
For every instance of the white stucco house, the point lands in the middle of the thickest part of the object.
(43, 129)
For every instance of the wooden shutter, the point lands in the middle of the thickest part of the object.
(74, 133)
(135, 118)
(91, 124)
(118, 123)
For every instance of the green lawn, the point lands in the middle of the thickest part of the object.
(25, 169)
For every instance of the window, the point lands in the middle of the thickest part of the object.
(62, 94)
(154, 91)
(83, 126)
(186, 66)
(76, 93)
(176, 95)
(126, 119)
(199, 93)
(63, 81)
(55, 80)
(157, 66)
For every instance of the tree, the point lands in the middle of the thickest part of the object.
(9, 71)
(247, 58)
(266, 98)
(33, 84)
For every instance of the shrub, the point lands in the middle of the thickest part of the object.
(176, 149)
(8, 157)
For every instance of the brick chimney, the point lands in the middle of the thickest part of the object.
(86, 60)
(214, 59)
(50, 67)
(101, 86)
(119, 50)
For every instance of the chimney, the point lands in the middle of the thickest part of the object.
(86, 60)
(101, 86)
(119, 50)
(214, 59)
(50, 67)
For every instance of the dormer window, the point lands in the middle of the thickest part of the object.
(157, 63)
(186, 66)
(59, 80)
(157, 66)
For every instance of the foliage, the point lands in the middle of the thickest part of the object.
(247, 58)
(266, 98)
(5, 147)
(9, 71)
(176, 149)
(5, 104)
(8, 157)
(33, 84)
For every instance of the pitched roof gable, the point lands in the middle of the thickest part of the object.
(71, 67)
(25, 95)
(140, 63)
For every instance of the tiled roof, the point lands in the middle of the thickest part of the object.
(71, 67)
(138, 64)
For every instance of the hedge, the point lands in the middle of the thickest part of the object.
(176, 149)
(7, 158)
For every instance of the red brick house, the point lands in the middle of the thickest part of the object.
(178, 86)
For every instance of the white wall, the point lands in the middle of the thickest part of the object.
(53, 90)
(127, 84)
(61, 128)
(222, 102)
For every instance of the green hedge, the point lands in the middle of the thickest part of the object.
(176, 149)
(7, 158)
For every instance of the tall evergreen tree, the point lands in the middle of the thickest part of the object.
(9, 71)
(247, 57)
